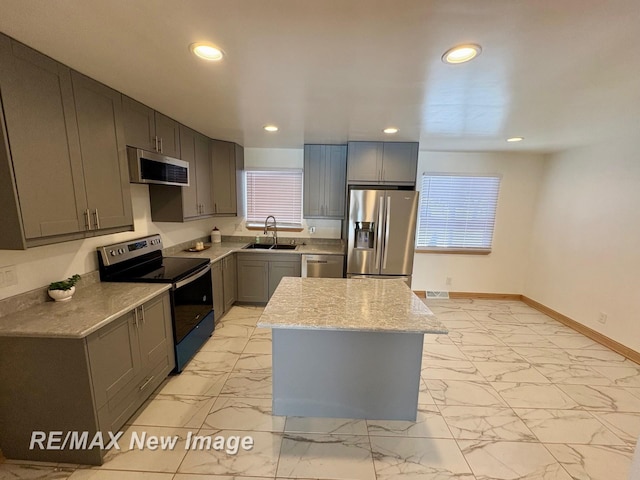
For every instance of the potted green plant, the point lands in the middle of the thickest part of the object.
(63, 290)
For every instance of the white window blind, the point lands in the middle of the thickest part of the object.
(274, 192)
(457, 212)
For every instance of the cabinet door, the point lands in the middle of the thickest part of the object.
(400, 161)
(114, 357)
(42, 130)
(203, 174)
(364, 162)
(224, 177)
(314, 178)
(335, 184)
(218, 290)
(230, 283)
(139, 124)
(156, 333)
(279, 269)
(168, 133)
(239, 153)
(253, 280)
(190, 205)
(101, 133)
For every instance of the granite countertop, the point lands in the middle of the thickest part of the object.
(221, 250)
(365, 305)
(90, 308)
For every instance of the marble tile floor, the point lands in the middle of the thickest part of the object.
(509, 394)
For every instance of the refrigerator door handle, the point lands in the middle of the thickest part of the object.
(386, 233)
(379, 246)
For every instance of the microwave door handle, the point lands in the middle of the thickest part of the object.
(378, 246)
(193, 277)
(386, 234)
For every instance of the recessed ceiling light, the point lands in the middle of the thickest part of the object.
(271, 128)
(515, 139)
(461, 53)
(390, 130)
(206, 51)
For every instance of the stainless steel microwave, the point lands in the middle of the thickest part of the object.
(153, 167)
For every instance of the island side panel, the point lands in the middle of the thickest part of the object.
(346, 374)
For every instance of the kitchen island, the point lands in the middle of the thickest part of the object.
(347, 348)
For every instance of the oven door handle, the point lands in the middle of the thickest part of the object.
(193, 277)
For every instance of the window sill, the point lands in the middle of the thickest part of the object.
(280, 229)
(455, 251)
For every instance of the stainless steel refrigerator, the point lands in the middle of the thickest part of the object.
(381, 233)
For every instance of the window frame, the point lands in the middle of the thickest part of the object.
(281, 225)
(461, 250)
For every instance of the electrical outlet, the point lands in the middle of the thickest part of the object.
(8, 276)
(448, 281)
(602, 318)
(312, 229)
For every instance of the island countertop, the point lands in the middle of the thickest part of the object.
(364, 305)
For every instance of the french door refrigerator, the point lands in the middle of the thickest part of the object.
(381, 233)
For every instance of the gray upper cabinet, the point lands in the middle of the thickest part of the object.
(104, 161)
(227, 165)
(168, 133)
(62, 153)
(399, 162)
(41, 149)
(364, 161)
(324, 181)
(178, 204)
(139, 124)
(150, 130)
(382, 163)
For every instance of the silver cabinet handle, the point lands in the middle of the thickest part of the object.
(142, 313)
(147, 382)
(87, 222)
(160, 144)
(96, 217)
(155, 143)
(135, 314)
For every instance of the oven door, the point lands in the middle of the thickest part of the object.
(192, 301)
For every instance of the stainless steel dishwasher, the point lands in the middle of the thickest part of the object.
(324, 266)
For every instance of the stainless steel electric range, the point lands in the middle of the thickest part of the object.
(141, 260)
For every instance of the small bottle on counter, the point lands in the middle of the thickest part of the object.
(216, 236)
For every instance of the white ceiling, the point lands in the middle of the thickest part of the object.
(560, 73)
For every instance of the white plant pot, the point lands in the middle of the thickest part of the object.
(62, 295)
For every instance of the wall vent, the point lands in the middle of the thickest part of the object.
(437, 294)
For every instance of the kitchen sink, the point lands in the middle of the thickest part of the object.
(284, 246)
(266, 246)
(258, 246)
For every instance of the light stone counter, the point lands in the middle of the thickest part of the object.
(90, 308)
(221, 250)
(364, 305)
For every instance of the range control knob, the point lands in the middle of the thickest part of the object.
(113, 253)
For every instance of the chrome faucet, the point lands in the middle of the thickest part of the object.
(274, 226)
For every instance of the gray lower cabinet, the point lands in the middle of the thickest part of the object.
(382, 163)
(91, 384)
(230, 277)
(259, 274)
(218, 290)
(227, 166)
(224, 285)
(178, 204)
(150, 130)
(63, 171)
(324, 181)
